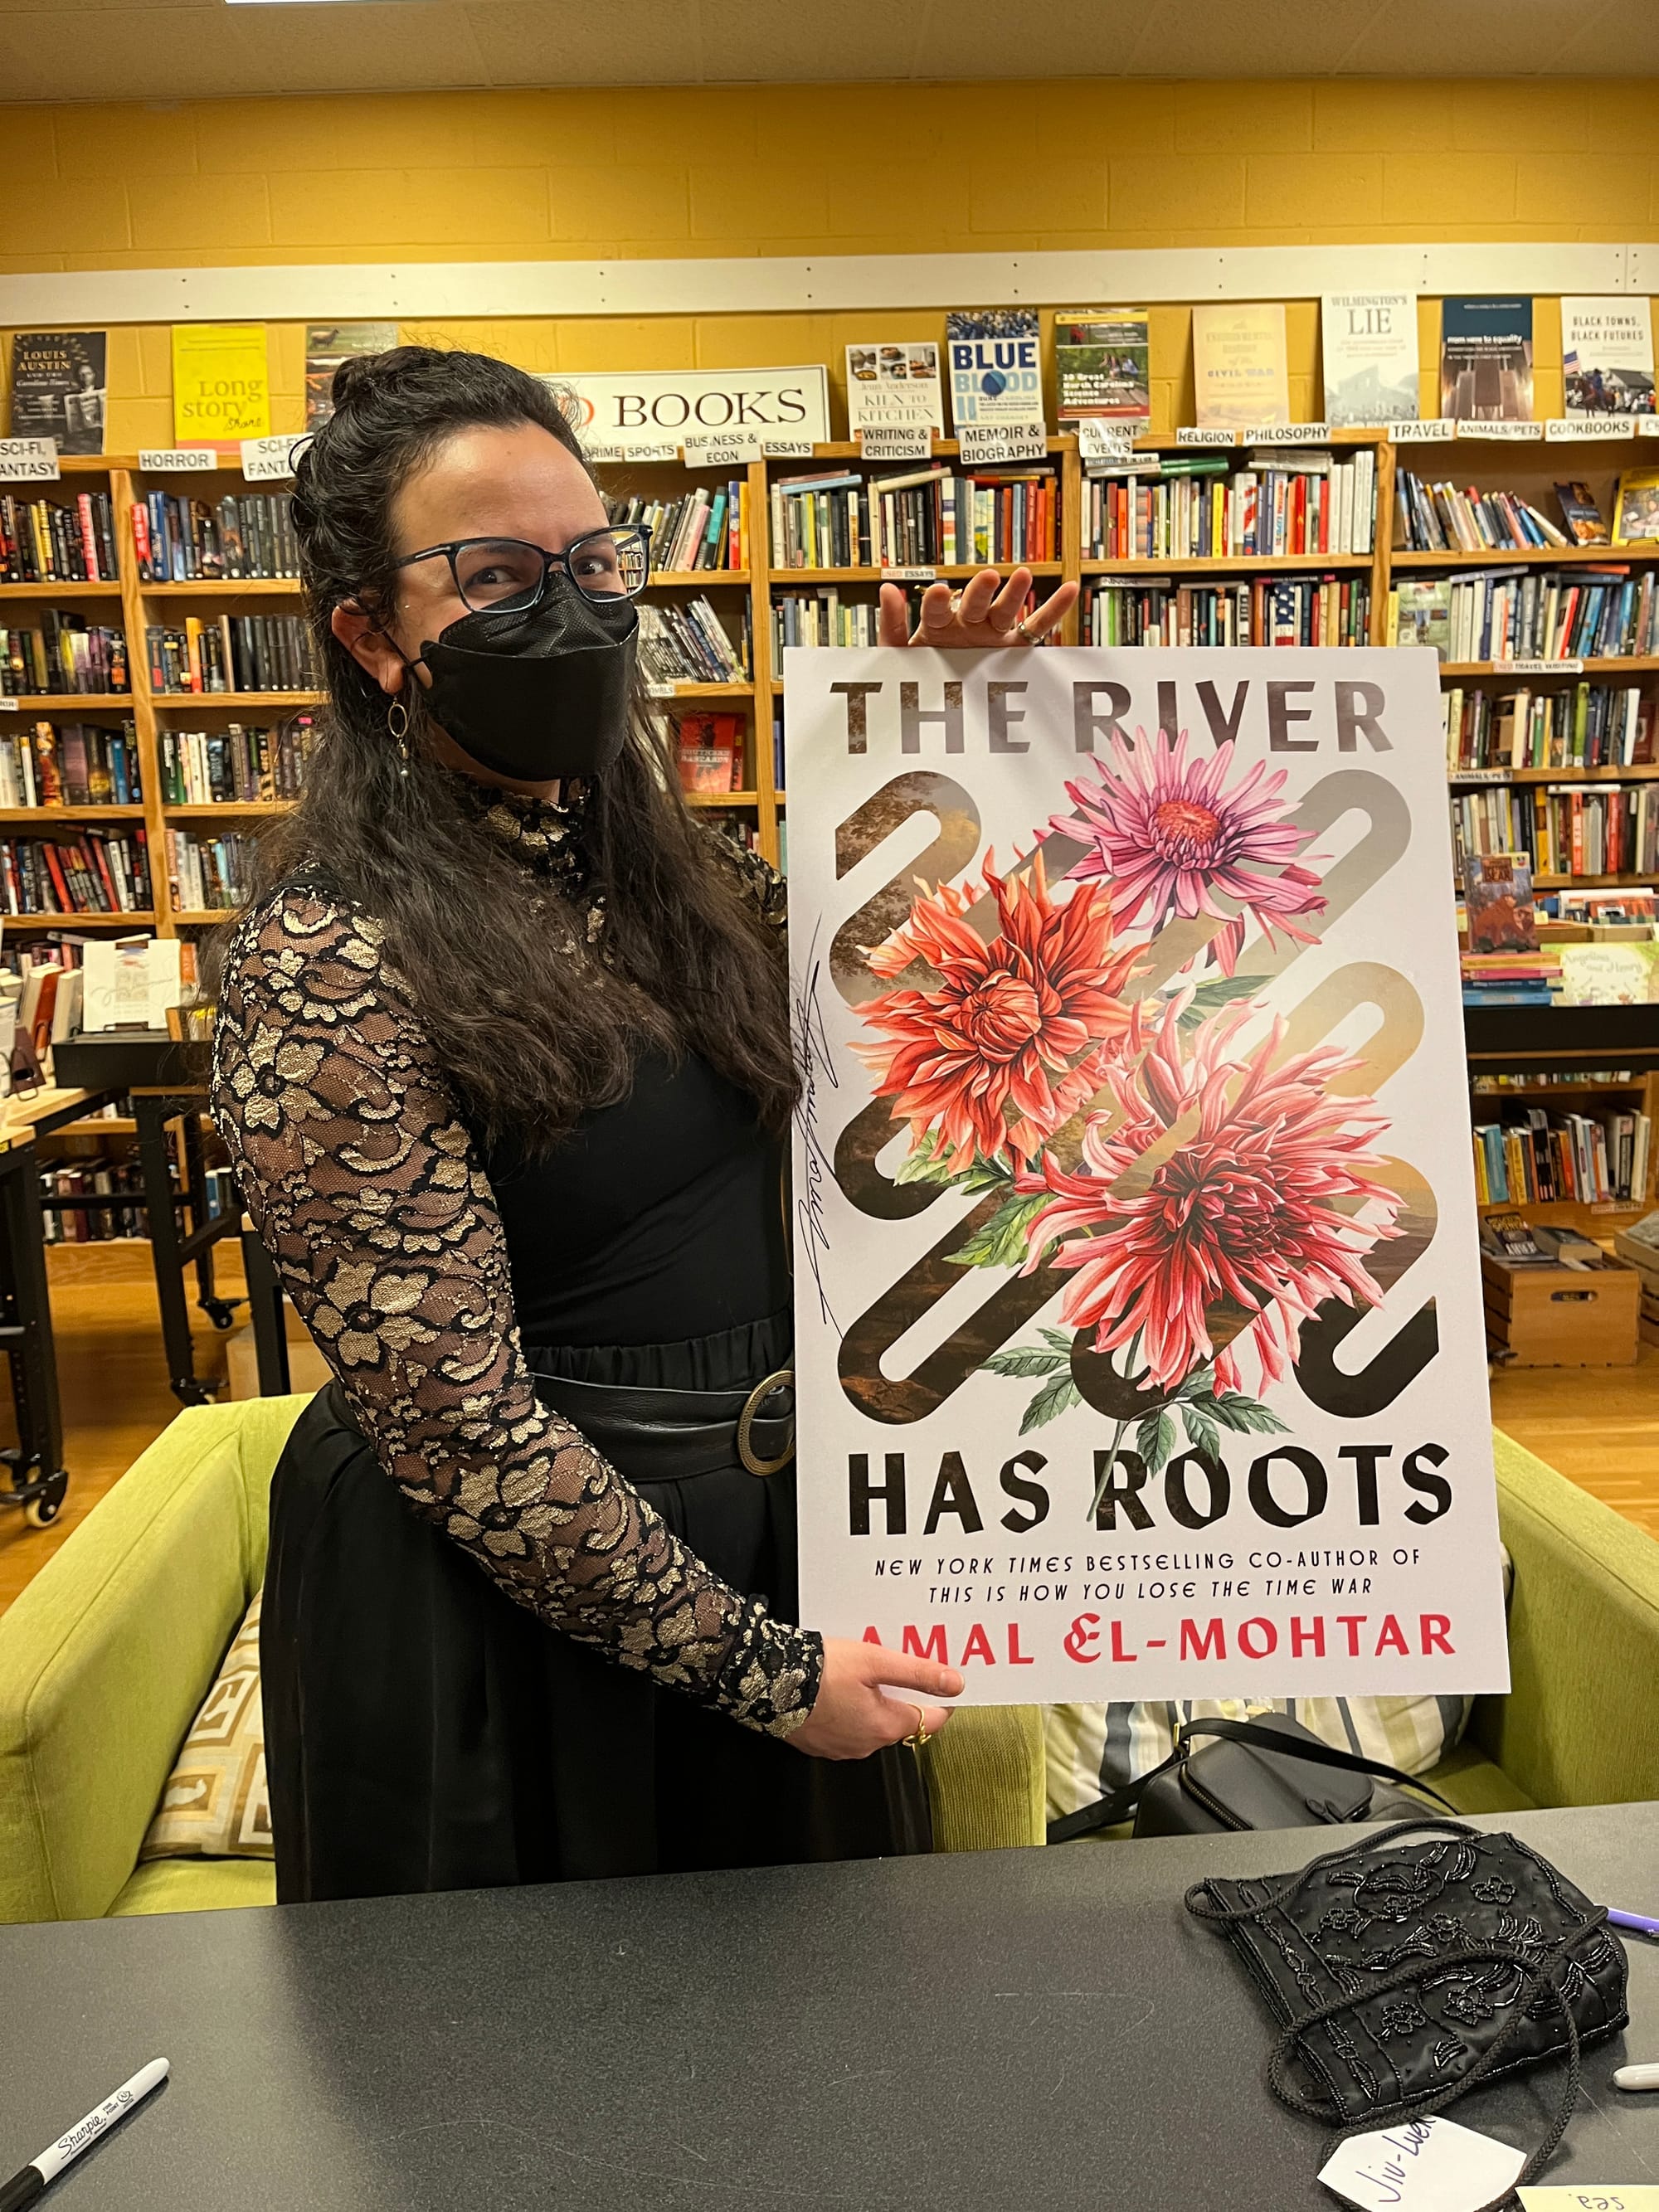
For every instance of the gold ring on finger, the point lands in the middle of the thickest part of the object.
(921, 1733)
(1022, 633)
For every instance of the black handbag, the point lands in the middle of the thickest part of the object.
(1266, 1773)
(1404, 1974)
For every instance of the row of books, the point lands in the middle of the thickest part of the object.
(1512, 978)
(180, 540)
(689, 644)
(236, 653)
(708, 528)
(1541, 1159)
(52, 541)
(928, 517)
(1277, 611)
(1192, 509)
(710, 752)
(1586, 829)
(98, 871)
(822, 617)
(67, 653)
(210, 871)
(237, 765)
(65, 1224)
(1582, 725)
(1580, 614)
(1438, 517)
(70, 764)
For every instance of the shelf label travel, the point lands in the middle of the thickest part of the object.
(29, 461)
(1431, 431)
(267, 458)
(1192, 434)
(894, 441)
(1002, 442)
(729, 448)
(1540, 667)
(1563, 430)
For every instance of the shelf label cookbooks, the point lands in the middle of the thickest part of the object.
(1607, 355)
(1369, 342)
(1240, 373)
(1140, 1348)
(1485, 360)
(996, 369)
(59, 388)
(1103, 368)
(642, 409)
(896, 386)
(221, 384)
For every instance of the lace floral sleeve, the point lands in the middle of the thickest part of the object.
(366, 1190)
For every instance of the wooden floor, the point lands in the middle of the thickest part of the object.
(1598, 1425)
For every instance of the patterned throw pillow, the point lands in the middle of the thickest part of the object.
(215, 1804)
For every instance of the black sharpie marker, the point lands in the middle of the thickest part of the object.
(23, 2188)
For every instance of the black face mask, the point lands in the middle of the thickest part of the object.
(539, 693)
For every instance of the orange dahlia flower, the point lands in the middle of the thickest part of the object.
(1018, 1033)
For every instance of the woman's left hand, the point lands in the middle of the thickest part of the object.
(985, 612)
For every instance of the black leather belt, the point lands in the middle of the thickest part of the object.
(664, 1436)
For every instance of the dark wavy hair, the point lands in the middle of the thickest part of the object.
(534, 1027)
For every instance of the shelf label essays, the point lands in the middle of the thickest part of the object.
(175, 461)
(909, 575)
(1139, 1341)
(28, 460)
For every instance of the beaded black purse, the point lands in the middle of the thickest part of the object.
(1403, 1974)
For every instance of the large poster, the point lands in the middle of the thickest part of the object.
(1141, 1349)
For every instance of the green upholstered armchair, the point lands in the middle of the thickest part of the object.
(108, 1653)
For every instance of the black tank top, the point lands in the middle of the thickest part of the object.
(657, 1219)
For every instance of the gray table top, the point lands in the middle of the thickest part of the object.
(1041, 2029)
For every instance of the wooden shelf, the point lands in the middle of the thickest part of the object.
(97, 1125)
(1588, 1216)
(196, 700)
(957, 572)
(42, 817)
(1547, 882)
(221, 810)
(227, 588)
(1276, 564)
(1575, 1089)
(203, 916)
(63, 703)
(143, 920)
(681, 579)
(70, 589)
(1645, 773)
(735, 690)
(1631, 665)
(1545, 556)
(722, 798)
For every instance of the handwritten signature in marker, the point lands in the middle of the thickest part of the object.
(816, 1067)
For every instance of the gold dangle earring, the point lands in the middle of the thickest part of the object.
(397, 722)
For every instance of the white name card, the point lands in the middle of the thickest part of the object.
(1561, 429)
(263, 458)
(1513, 434)
(1421, 2166)
(176, 460)
(894, 441)
(1003, 441)
(1430, 432)
(1290, 433)
(28, 460)
(726, 448)
(1202, 434)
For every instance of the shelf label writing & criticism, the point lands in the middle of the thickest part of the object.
(896, 441)
(263, 458)
(174, 460)
(28, 460)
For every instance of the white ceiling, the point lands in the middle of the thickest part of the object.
(83, 49)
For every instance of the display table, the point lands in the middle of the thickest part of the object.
(1042, 2028)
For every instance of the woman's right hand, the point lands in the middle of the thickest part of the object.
(851, 1717)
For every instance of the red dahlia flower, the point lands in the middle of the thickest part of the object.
(1017, 1034)
(1260, 1202)
(1169, 835)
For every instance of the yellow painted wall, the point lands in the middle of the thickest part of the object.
(812, 169)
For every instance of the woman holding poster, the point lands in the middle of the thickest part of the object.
(503, 1062)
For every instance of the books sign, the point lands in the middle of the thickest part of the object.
(1140, 1339)
(641, 409)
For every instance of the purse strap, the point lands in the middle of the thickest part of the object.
(1118, 1804)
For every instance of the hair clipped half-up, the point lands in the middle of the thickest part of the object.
(535, 1028)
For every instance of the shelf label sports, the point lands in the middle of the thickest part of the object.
(28, 460)
(1139, 1337)
(642, 409)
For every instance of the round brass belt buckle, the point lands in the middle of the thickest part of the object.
(784, 1377)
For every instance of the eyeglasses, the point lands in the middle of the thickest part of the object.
(505, 572)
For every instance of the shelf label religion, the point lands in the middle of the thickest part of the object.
(1139, 1337)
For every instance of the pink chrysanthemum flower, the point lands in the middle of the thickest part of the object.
(1261, 1204)
(1016, 1035)
(1169, 835)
